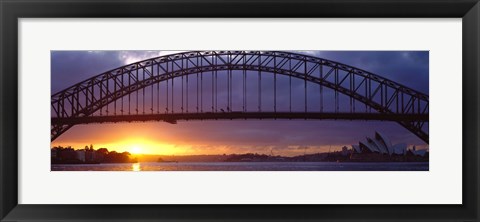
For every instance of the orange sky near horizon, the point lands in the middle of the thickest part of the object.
(202, 138)
(159, 138)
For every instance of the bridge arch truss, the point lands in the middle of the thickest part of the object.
(86, 101)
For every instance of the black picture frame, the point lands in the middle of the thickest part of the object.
(11, 11)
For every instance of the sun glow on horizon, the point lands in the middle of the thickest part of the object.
(133, 145)
(138, 141)
(136, 150)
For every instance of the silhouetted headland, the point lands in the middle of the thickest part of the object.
(88, 155)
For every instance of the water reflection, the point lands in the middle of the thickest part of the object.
(247, 166)
(136, 167)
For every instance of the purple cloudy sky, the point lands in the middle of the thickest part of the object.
(410, 68)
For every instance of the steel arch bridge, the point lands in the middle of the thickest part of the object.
(187, 86)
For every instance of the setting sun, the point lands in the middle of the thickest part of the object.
(135, 150)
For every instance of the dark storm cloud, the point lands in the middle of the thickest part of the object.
(409, 68)
(70, 67)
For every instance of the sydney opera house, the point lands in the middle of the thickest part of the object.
(380, 148)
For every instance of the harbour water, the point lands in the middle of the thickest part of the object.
(246, 166)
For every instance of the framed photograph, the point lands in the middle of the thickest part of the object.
(225, 110)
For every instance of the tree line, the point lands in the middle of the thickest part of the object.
(69, 155)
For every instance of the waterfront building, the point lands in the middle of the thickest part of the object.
(80, 155)
(415, 152)
(53, 153)
(345, 151)
(380, 149)
(380, 144)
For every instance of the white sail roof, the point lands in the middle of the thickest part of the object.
(386, 142)
(380, 145)
(371, 146)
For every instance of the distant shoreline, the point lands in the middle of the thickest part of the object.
(95, 157)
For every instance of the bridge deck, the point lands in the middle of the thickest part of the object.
(174, 117)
